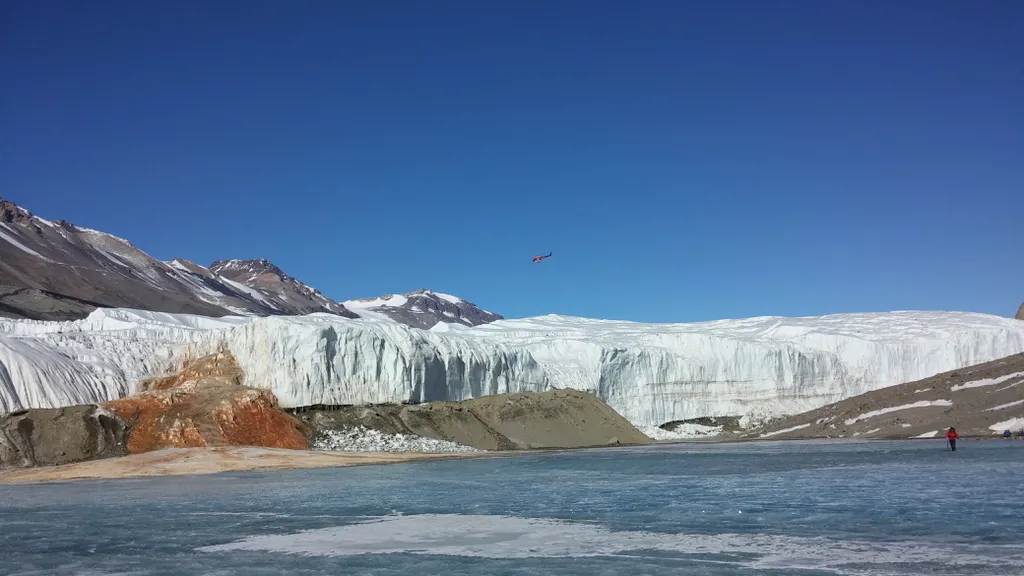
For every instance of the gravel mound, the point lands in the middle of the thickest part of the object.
(519, 421)
(363, 439)
(55, 436)
(682, 432)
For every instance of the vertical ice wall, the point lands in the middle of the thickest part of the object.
(650, 373)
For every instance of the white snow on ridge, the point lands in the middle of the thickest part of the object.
(986, 382)
(124, 253)
(178, 266)
(394, 300)
(254, 293)
(1004, 406)
(1012, 424)
(785, 430)
(879, 412)
(649, 373)
(19, 245)
(447, 297)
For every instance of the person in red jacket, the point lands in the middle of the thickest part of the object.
(952, 437)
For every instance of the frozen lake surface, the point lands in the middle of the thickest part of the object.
(742, 509)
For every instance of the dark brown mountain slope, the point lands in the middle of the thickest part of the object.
(58, 261)
(59, 271)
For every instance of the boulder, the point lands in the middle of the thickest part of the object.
(54, 436)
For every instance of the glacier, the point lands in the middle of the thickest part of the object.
(650, 373)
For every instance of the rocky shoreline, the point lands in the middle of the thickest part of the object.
(179, 461)
(215, 460)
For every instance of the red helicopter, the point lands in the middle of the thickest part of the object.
(541, 257)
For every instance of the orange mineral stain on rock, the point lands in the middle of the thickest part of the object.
(254, 419)
(184, 434)
(205, 405)
(223, 366)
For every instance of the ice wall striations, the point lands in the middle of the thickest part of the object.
(756, 367)
(36, 374)
(101, 357)
(318, 360)
(650, 373)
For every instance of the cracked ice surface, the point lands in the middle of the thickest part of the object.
(649, 373)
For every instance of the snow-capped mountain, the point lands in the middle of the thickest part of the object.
(59, 271)
(271, 293)
(92, 268)
(1020, 312)
(422, 309)
(649, 373)
(53, 260)
(425, 345)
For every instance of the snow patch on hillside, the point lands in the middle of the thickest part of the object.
(1013, 424)
(19, 245)
(252, 292)
(881, 411)
(986, 382)
(1005, 406)
(394, 300)
(785, 430)
(447, 297)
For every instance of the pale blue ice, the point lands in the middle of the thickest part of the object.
(724, 509)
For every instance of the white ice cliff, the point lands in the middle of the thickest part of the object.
(650, 373)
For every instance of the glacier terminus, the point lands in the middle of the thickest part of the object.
(650, 373)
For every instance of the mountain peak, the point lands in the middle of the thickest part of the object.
(423, 308)
(11, 212)
(47, 263)
(58, 261)
(253, 266)
(429, 292)
(266, 278)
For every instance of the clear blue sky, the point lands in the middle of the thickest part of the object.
(683, 160)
